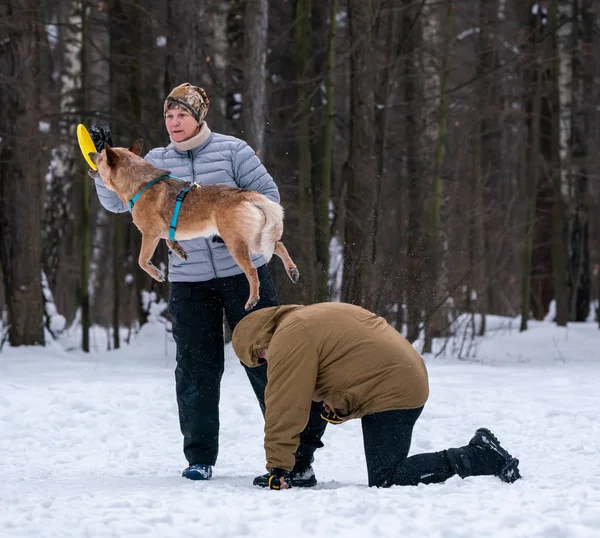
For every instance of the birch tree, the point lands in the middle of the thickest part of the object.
(65, 164)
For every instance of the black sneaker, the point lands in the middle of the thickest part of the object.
(304, 478)
(508, 467)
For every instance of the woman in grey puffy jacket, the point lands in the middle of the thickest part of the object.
(210, 283)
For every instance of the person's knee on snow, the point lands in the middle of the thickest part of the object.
(359, 367)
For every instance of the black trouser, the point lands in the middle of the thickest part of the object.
(387, 438)
(197, 313)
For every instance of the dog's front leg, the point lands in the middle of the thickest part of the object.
(148, 247)
(177, 249)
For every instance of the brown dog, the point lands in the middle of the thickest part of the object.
(247, 221)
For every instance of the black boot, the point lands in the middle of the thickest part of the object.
(484, 456)
(508, 468)
(299, 478)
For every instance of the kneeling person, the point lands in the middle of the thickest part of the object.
(360, 367)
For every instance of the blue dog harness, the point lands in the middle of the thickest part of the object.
(178, 201)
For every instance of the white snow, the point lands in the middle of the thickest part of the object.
(52, 34)
(90, 447)
(537, 8)
(468, 32)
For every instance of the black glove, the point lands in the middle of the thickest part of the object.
(217, 239)
(275, 477)
(100, 135)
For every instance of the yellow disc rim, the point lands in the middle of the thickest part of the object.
(86, 145)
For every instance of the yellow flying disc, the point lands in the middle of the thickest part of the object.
(85, 144)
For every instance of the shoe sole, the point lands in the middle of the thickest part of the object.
(510, 471)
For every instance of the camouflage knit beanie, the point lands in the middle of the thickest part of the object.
(191, 98)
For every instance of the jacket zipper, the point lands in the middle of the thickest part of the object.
(210, 253)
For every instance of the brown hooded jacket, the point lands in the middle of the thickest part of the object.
(337, 353)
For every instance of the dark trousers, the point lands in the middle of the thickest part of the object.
(387, 438)
(197, 313)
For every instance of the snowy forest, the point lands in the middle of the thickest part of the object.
(435, 158)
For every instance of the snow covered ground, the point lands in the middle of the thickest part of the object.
(90, 447)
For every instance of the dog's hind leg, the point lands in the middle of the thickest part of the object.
(146, 251)
(240, 252)
(177, 249)
(290, 266)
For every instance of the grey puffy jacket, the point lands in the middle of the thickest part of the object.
(220, 159)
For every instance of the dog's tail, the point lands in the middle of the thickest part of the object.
(273, 229)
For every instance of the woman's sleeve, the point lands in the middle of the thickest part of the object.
(109, 199)
(250, 173)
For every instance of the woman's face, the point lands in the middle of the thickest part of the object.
(180, 124)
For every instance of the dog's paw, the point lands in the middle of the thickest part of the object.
(178, 250)
(294, 274)
(181, 253)
(252, 302)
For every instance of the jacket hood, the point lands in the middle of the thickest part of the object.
(255, 332)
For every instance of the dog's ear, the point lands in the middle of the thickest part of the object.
(137, 146)
(94, 156)
(111, 155)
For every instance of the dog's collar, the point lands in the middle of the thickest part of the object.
(146, 187)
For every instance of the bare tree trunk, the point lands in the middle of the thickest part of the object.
(388, 237)
(322, 188)
(362, 165)
(21, 207)
(84, 232)
(254, 96)
(125, 23)
(561, 133)
(282, 137)
(542, 288)
(307, 224)
(488, 238)
(531, 171)
(185, 57)
(431, 108)
(436, 322)
(412, 291)
(581, 133)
